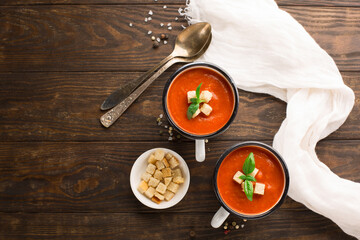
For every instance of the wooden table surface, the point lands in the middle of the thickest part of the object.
(64, 176)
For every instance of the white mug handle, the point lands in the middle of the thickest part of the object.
(219, 217)
(200, 150)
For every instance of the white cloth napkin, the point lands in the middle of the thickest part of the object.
(265, 50)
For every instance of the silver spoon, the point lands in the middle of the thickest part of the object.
(188, 43)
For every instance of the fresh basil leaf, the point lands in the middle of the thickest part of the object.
(194, 100)
(249, 164)
(249, 190)
(192, 109)
(250, 178)
(198, 91)
(242, 177)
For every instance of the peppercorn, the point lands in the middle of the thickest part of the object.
(155, 45)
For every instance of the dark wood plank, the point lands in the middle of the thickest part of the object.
(280, 225)
(65, 107)
(94, 177)
(329, 3)
(98, 38)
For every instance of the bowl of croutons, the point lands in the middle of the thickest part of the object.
(159, 178)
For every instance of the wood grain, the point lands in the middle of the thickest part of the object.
(94, 177)
(332, 3)
(98, 38)
(280, 225)
(65, 107)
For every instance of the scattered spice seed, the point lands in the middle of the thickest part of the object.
(244, 220)
(146, 20)
(153, 38)
(183, 26)
(164, 6)
(164, 36)
(170, 138)
(170, 128)
(158, 119)
(149, 18)
(225, 227)
(151, 12)
(130, 24)
(233, 223)
(165, 42)
(149, 32)
(156, 45)
(242, 225)
(170, 28)
(169, 24)
(206, 140)
(237, 227)
(161, 24)
(166, 126)
(161, 115)
(176, 18)
(158, 39)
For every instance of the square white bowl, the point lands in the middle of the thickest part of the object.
(139, 168)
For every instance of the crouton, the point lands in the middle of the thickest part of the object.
(159, 196)
(177, 173)
(143, 187)
(161, 188)
(196, 113)
(158, 175)
(254, 172)
(146, 176)
(166, 172)
(168, 195)
(178, 180)
(206, 96)
(259, 188)
(159, 165)
(152, 159)
(173, 162)
(168, 156)
(190, 95)
(156, 200)
(236, 177)
(150, 168)
(159, 154)
(167, 181)
(165, 162)
(173, 187)
(153, 182)
(150, 192)
(206, 109)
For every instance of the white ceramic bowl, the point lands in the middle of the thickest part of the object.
(139, 168)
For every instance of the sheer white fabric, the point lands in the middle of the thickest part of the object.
(265, 50)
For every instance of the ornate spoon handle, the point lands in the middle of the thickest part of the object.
(111, 116)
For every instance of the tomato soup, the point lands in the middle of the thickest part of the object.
(222, 101)
(270, 173)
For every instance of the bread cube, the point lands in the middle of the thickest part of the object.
(236, 177)
(173, 187)
(206, 109)
(150, 168)
(177, 173)
(168, 156)
(206, 96)
(166, 172)
(173, 162)
(159, 196)
(150, 192)
(196, 113)
(165, 162)
(190, 95)
(159, 154)
(152, 159)
(158, 175)
(146, 176)
(254, 172)
(156, 200)
(168, 195)
(143, 187)
(161, 188)
(159, 165)
(259, 188)
(167, 181)
(153, 182)
(178, 180)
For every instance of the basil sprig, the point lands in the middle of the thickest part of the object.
(195, 103)
(248, 168)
